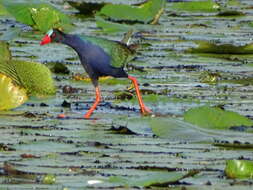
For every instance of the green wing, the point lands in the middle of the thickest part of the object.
(119, 52)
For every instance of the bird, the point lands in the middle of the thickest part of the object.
(99, 57)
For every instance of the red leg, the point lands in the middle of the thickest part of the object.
(98, 98)
(144, 109)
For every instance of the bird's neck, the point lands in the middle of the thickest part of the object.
(75, 42)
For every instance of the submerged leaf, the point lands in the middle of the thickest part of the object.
(86, 8)
(37, 14)
(196, 6)
(10, 34)
(176, 130)
(239, 169)
(215, 118)
(111, 27)
(155, 179)
(146, 12)
(211, 47)
(11, 95)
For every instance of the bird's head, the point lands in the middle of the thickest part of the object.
(53, 35)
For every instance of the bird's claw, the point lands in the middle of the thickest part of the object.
(146, 111)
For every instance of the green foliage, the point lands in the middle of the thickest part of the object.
(87, 8)
(239, 169)
(11, 95)
(215, 118)
(196, 6)
(154, 179)
(111, 27)
(37, 14)
(49, 179)
(5, 54)
(34, 77)
(146, 12)
(211, 47)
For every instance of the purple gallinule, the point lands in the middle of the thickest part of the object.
(99, 57)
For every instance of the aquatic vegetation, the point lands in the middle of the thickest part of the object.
(239, 169)
(215, 118)
(38, 14)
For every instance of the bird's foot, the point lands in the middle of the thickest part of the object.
(61, 116)
(145, 111)
(87, 115)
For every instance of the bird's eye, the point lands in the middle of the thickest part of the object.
(53, 35)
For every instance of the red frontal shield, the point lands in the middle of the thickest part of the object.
(45, 40)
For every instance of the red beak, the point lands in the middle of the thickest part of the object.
(45, 40)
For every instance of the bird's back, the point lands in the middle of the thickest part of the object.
(119, 53)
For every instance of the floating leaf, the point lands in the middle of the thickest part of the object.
(3, 11)
(111, 27)
(58, 68)
(196, 6)
(11, 95)
(155, 179)
(146, 12)
(49, 179)
(87, 8)
(234, 144)
(177, 130)
(215, 118)
(209, 77)
(239, 169)
(10, 34)
(211, 47)
(37, 14)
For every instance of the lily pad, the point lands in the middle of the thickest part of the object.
(177, 130)
(196, 6)
(11, 95)
(215, 118)
(37, 14)
(155, 179)
(147, 12)
(87, 8)
(239, 169)
(111, 27)
(211, 47)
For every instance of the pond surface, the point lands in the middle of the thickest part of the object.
(81, 152)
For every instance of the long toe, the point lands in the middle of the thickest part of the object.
(145, 111)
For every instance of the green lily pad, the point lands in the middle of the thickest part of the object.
(211, 47)
(87, 8)
(148, 12)
(3, 11)
(239, 169)
(196, 6)
(215, 118)
(49, 179)
(155, 179)
(11, 95)
(111, 27)
(177, 130)
(37, 14)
